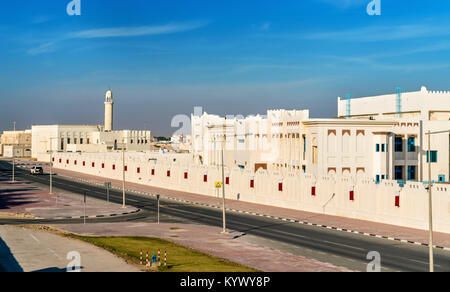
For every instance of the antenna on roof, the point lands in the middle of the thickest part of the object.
(348, 98)
(399, 91)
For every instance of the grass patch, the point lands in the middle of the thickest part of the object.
(179, 258)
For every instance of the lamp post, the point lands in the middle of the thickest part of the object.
(13, 156)
(430, 208)
(223, 126)
(51, 164)
(123, 173)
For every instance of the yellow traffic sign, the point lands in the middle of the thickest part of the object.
(218, 184)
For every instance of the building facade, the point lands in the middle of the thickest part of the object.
(373, 141)
(87, 138)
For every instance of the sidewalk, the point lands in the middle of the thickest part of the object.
(23, 200)
(208, 240)
(29, 250)
(390, 232)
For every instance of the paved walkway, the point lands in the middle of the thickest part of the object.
(391, 232)
(208, 240)
(26, 250)
(23, 200)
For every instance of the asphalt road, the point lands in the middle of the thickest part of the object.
(335, 247)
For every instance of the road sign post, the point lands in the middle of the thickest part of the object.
(157, 199)
(107, 186)
(84, 217)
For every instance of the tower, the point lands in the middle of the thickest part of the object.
(109, 102)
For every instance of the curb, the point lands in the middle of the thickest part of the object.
(273, 217)
(93, 216)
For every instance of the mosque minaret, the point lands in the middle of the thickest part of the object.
(109, 103)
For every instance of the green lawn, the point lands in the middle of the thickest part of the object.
(179, 258)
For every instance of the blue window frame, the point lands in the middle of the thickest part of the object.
(377, 148)
(398, 173)
(377, 178)
(432, 155)
(411, 144)
(411, 172)
(398, 144)
(383, 147)
(441, 178)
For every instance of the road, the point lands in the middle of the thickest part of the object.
(336, 247)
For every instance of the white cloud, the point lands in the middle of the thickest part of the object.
(381, 33)
(115, 32)
(135, 31)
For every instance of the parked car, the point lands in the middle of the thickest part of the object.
(37, 170)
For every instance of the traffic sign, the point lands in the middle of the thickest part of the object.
(218, 185)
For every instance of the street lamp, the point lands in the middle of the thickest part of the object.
(13, 158)
(51, 164)
(430, 209)
(223, 126)
(123, 173)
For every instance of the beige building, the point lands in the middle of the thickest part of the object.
(15, 143)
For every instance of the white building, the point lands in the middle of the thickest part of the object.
(374, 141)
(87, 138)
(416, 113)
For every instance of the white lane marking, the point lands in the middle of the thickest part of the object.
(35, 239)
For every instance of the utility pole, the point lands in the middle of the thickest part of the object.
(430, 205)
(13, 156)
(51, 164)
(430, 211)
(123, 173)
(223, 180)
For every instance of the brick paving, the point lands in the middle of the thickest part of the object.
(24, 200)
(208, 240)
(347, 224)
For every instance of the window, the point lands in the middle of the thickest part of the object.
(411, 144)
(383, 147)
(62, 144)
(74, 140)
(398, 173)
(441, 178)
(377, 178)
(87, 142)
(377, 148)
(81, 140)
(433, 156)
(68, 140)
(398, 144)
(314, 155)
(411, 172)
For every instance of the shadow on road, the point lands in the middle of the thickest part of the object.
(8, 262)
(58, 270)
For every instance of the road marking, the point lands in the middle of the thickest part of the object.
(35, 239)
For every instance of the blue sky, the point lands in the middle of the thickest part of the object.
(162, 58)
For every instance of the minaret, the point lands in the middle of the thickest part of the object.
(109, 111)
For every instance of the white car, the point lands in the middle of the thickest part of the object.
(37, 170)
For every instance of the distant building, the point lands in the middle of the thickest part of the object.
(15, 143)
(181, 143)
(87, 138)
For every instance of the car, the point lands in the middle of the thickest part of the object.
(37, 170)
